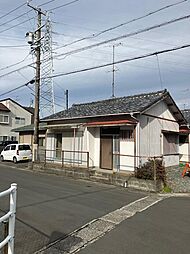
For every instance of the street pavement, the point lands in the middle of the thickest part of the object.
(49, 207)
(161, 229)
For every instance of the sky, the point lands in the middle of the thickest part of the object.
(85, 18)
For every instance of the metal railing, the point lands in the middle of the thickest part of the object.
(67, 157)
(10, 216)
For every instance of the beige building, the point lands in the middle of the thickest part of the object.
(13, 115)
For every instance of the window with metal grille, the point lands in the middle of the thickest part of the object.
(127, 135)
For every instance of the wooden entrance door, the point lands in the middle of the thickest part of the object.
(106, 152)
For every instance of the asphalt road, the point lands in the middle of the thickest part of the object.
(162, 229)
(49, 207)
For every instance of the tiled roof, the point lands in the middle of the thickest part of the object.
(186, 113)
(3, 108)
(30, 109)
(128, 104)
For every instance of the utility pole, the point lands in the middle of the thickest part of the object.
(36, 43)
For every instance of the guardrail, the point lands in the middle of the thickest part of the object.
(10, 216)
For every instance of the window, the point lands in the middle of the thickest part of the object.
(170, 145)
(19, 120)
(183, 139)
(23, 147)
(41, 141)
(4, 119)
(13, 147)
(126, 135)
(7, 148)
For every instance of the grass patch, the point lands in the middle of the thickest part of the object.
(167, 189)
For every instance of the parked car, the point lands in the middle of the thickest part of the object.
(16, 152)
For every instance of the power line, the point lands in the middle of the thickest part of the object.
(123, 24)
(12, 65)
(104, 65)
(21, 23)
(124, 36)
(122, 61)
(12, 46)
(3, 16)
(63, 5)
(19, 69)
(13, 19)
(18, 87)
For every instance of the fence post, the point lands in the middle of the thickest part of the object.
(88, 160)
(12, 218)
(62, 159)
(45, 158)
(154, 167)
(6, 226)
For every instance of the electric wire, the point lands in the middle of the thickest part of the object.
(123, 24)
(102, 66)
(21, 23)
(121, 61)
(18, 87)
(124, 36)
(19, 69)
(3, 16)
(63, 5)
(12, 65)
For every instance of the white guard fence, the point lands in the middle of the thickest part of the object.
(10, 217)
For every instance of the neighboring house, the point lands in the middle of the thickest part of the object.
(13, 115)
(26, 134)
(184, 138)
(119, 133)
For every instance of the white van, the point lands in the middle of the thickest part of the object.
(16, 152)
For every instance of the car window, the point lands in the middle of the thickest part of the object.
(7, 148)
(13, 147)
(23, 147)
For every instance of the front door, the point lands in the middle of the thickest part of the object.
(106, 152)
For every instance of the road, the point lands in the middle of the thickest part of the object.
(50, 207)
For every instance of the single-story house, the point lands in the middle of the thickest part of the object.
(184, 138)
(117, 134)
(26, 134)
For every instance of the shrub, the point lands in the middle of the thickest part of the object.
(146, 171)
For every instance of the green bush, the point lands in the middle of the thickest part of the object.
(167, 189)
(146, 171)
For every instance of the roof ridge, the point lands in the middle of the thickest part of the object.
(123, 97)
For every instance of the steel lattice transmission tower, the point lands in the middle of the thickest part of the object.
(47, 103)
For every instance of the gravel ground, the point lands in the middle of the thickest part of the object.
(175, 180)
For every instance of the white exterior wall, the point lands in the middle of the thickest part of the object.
(150, 135)
(16, 111)
(126, 162)
(184, 150)
(94, 146)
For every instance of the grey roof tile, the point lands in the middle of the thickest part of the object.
(127, 104)
(186, 113)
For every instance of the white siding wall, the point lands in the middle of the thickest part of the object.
(16, 111)
(184, 150)
(94, 146)
(150, 132)
(126, 162)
